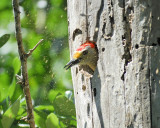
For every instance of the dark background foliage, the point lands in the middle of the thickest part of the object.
(50, 84)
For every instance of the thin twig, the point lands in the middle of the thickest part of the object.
(31, 50)
(23, 58)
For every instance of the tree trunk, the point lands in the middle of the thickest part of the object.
(124, 91)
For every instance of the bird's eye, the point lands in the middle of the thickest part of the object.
(85, 52)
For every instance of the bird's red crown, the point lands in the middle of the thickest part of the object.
(87, 43)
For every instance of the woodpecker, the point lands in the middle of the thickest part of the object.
(86, 54)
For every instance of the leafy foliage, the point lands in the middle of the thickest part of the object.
(49, 82)
(52, 121)
(65, 109)
(4, 39)
(9, 116)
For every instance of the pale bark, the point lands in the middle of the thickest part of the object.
(124, 91)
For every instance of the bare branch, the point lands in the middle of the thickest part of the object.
(23, 79)
(18, 27)
(31, 50)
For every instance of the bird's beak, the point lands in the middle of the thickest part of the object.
(72, 63)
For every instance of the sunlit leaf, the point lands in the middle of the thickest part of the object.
(22, 110)
(52, 94)
(21, 113)
(40, 118)
(9, 116)
(73, 122)
(4, 39)
(4, 86)
(56, 3)
(63, 106)
(12, 88)
(62, 124)
(3, 4)
(16, 65)
(52, 121)
(45, 107)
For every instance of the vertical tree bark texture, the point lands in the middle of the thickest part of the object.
(124, 91)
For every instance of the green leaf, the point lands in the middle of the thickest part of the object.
(63, 106)
(62, 124)
(52, 94)
(73, 123)
(52, 121)
(4, 86)
(12, 88)
(22, 110)
(45, 107)
(40, 118)
(10, 114)
(16, 65)
(4, 39)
